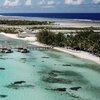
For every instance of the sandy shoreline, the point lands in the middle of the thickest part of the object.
(80, 54)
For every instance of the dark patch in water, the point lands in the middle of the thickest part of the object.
(53, 74)
(64, 77)
(19, 84)
(75, 88)
(66, 65)
(56, 80)
(66, 73)
(3, 58)
(2, 68)
(58, 89)
(46, 57)
(33, 65)
(27, 59)
(64, 89)
(48, 73)
(3, 96)
(63, 73)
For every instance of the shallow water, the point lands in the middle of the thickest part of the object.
(46, 71)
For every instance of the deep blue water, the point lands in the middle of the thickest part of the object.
(85, 16)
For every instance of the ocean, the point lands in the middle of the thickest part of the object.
(80, 16)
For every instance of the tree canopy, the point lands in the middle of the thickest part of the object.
(86, 40)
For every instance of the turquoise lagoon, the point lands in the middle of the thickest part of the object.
(44, 72)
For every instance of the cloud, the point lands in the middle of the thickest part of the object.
(8, 3)
(96, 1)
(46, 4)
(73, 2)
(28, 3)
(50, 2)
(40, 3)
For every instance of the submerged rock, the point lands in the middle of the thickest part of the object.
(3, 96)
(58, 89)
(19, 84)
(56, 80)
(46, 57)
(2, 68)
(66, 65)
(75, 88)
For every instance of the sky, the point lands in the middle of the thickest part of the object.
(49, 6)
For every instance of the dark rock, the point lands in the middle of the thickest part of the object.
(66, 65)
(75, 88)
(19, 86)
(2, 68)
(3, 96)
(19, 82)
(23, 58)
(45, 57)
(60, 89)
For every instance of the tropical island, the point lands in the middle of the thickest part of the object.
(49, 49)
(55, 35)
(53, 66)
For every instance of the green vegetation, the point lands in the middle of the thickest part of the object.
(63, 28)
(86, 40)
(50, 38)
(23, 22)
(10, 30)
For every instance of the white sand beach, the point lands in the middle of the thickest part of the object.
(15, 36)
(78, 24)
(81, 54)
